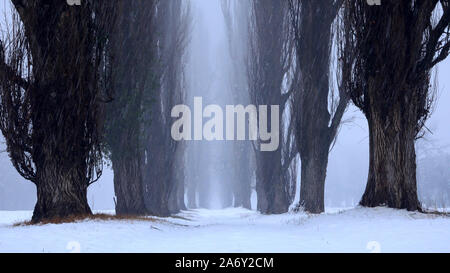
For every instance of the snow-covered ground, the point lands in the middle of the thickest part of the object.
(237, 230)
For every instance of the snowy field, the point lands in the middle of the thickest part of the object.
(237, 230)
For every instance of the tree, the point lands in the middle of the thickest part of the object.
(236, 20)
(163, 177)
(134, 61)
(396, 44)
(317, 109)
(268, 62)
(433, 174)
(51, 93)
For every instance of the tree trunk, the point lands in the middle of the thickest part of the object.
(157, 191)
(242, 175)
(180, 196)
(392, 170)
(176, 199)
(270, 186)
(60, 193)
(312, 186)
(61, 128)
(128, 187)
(316, 121)
(158, 176)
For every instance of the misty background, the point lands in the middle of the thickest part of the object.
(208, 72)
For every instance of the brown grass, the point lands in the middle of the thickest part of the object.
(95, 217)
(436, 212)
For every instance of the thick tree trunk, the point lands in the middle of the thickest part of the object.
(158, 177)
(61, 135)
(312, 186)
(61, 193)
(392, 171)
(270, 186)
(157, 191)
(396, 50)
(128, 187)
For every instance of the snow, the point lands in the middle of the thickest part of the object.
(237, 230)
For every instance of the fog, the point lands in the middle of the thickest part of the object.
(208, 163)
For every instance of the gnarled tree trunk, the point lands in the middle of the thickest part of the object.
(61, 191)
(392, 169)
(396, 46)
(51, 94)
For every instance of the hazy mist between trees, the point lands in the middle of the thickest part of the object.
(230, 53)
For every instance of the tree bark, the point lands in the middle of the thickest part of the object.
(312, 186)
(158, 181)
(128, 187)
(60, 193)
(55, 139)
(395, 48)
(392, 170)
(271, 186)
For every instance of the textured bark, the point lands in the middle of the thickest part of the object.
(158, 173)
(312, 187)
(392, 169)
(60, 193)
(396, 46)
(52, 126)
(128, 186)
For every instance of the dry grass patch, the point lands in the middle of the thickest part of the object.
(437, 212)
(93, 217)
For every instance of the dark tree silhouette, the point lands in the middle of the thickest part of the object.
(317, 110)
(397, 45)
(134, 61)
(50, 99)
(269, 60)
(163, 166)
